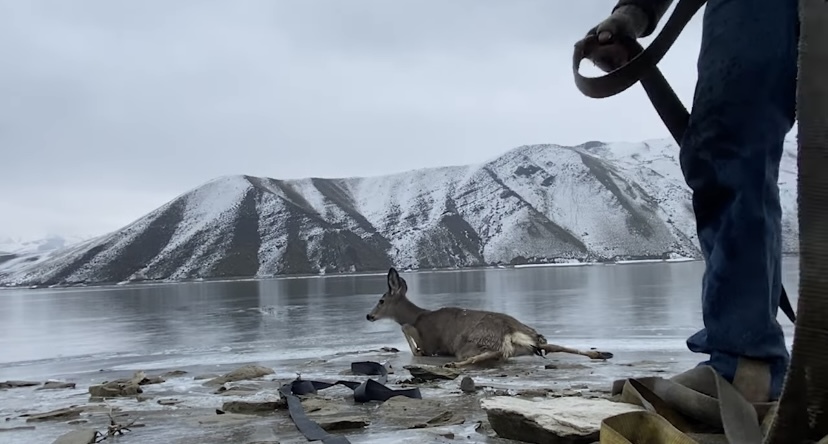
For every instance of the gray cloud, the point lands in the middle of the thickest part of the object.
(112, 108)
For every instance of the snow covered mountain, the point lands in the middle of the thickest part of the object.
(10, 245)
(539, 203)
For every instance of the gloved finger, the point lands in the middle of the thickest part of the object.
(609, 57)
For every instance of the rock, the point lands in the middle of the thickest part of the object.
(443, 419)
(206, 376)
(340, 421)
(223, 420)
(173, 374)
(17, 428)
(120, 387)
(17, 384)
(330, 415)
(64, 413)
(253, 408)
(238, 390)
(115, 389)
(467, 385)
(77, 421)
(556, 420)
(431, 372)
(240, 374)
(390, 349)
(82, 436)
(417, 413)
(152, 380)
(50, 385)
(263, 435)
(168, 401)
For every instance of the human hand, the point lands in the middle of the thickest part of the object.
(625, 23)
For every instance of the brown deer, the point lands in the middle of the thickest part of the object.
(470, 336)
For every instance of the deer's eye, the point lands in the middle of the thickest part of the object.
(382, 301)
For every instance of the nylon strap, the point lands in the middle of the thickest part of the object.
(366, 391)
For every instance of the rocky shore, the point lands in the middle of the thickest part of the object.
(528, 400)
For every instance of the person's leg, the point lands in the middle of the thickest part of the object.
(744, 105)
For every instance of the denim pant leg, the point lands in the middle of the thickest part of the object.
(743, 107)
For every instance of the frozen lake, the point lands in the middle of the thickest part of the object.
(636, 311)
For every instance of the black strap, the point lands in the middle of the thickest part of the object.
(366, 391)
(642, 67)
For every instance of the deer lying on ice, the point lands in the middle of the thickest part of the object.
(470, 336)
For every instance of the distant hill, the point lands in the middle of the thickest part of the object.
(533, 204)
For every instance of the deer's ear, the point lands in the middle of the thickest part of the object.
(395, 282)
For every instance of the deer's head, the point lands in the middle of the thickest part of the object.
(390, 301)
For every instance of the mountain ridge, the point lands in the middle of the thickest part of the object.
(533, 204)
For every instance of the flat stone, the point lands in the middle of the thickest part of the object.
(17, 384)
(332, 415)
(51, 385)
(120, 387)
(16, 428)
(225, 419)
(253, 408)
(417, 413)
(240, 374)
(431, 372)
(81, 436)
(571, 420)
(64, 413)
(206, 376)
(168, 401)
(340, 422)
(174, 374)
(115, 389)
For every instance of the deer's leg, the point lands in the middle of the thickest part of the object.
(485, 356)
(412, 336)
(592, 354)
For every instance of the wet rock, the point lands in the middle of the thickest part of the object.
(77, 421)
(390, 349)
(61, 414)
(205, 376)
(565, 420)
(115, 389)
(174, 374)
(445, 418)
(431, 372)
(223, 420)
(168, 401)
(16, 428)
(330, 415)
(51, 385)
(240, 374)
(82, 436)
(152, 380)
(120, 387)
(418, 413)
(253, 408)
(17, 384)
(467, 385)
(340, 422)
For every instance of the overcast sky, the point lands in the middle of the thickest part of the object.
(111, 108)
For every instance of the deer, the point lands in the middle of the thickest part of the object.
(469, 336)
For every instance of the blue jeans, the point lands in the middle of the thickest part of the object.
(744, 106)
